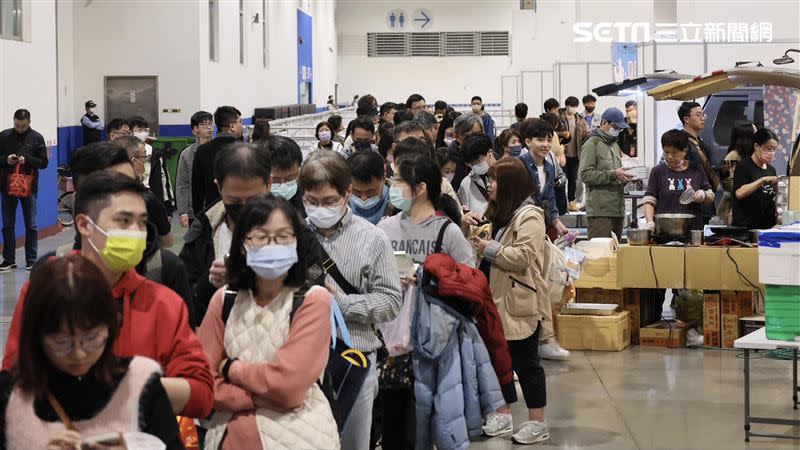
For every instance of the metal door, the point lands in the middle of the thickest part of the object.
(132, 96)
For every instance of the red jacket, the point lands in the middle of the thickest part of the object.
(470, 284)
(155, 324)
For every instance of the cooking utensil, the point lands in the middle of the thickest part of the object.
(687, 196)
(697, 238)
(674, 225)
(638, 236)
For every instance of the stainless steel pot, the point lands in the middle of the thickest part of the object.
(638, 236)
(674, 225)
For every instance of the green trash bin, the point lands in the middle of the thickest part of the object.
(174, 146)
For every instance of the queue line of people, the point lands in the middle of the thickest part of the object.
(267, 225)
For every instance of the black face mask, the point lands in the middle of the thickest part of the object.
(233, 210)
(362, 146)
(590, 110)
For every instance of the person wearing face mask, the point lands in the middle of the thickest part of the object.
(229, 129)
(627, 139)
(70, 386)
(266, 393)
(671, 178)
(755, 184)
(324, 133)
(589, 103)
(602, 173)
(360, 140)
(464, 125)
(240, 173)
(472, 193)
(370, 192)
(286, 158)
(578, 130)
(110, 217)
(509, 144)
(156, 213)
(447, 161)
(361, 272)
(141, 131)
(91, 124)
(446, 135)
(488, 123)
(418, 147)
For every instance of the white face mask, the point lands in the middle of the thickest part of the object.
(141, 135)
(481, 169)
(614, 132)
(324, 216)
(572, 110)
(448, 141)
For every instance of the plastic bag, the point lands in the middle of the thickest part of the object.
(397, 333)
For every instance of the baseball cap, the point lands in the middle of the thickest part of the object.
(91, 104)
(615, 116)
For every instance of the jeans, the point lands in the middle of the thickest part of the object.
(356, 432)
(9, 206)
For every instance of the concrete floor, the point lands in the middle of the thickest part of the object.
(640, 398)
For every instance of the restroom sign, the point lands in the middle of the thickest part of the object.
(397, 19)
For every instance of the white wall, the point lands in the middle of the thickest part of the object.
(251, 85)
(28, 72)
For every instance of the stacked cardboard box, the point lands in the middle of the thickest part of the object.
(640, 303)
(712, 319)
(663, 334)
(734, 306)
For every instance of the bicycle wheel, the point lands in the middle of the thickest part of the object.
(65, 205)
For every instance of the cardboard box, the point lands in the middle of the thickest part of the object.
(794, 193)
(607, 333)
(640, 303)
(704, 268)
(661, 334)
(595, 295)
(712, 320)
(734, 306)
(747, 260)
(636, 266)
(598, 273)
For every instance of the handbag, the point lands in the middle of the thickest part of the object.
(19, 184)
(397, 333)
(346, 371)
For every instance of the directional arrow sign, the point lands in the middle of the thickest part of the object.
(423, 19)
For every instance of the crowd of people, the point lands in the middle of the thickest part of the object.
(114, 332)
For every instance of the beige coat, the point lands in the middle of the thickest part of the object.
(516, 278)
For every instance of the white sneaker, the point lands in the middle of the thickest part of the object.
(531, 433)
(497, 424)
(551, 350)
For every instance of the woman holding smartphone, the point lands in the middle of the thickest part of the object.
(70, 387)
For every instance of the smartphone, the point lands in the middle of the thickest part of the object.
(405, 265)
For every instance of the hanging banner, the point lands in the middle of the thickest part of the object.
(623, 61)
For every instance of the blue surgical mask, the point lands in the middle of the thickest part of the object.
(271, 261)
(398, 200)
(515, 150)
(286, 190)
(365, 204)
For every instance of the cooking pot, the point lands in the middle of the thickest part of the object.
(677, 226)
(638, 236)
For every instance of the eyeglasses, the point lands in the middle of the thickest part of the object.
(261, 240)
(324, 204)
(62, 346)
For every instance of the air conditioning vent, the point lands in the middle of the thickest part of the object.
(493, 43)
(467, 43)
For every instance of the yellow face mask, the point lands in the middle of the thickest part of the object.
(123, 250)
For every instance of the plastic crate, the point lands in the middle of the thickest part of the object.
(782, 312)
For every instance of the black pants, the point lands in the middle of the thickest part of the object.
(399, 419)
(571, 171)
(526, 363)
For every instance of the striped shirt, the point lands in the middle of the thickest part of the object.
(364, 257)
